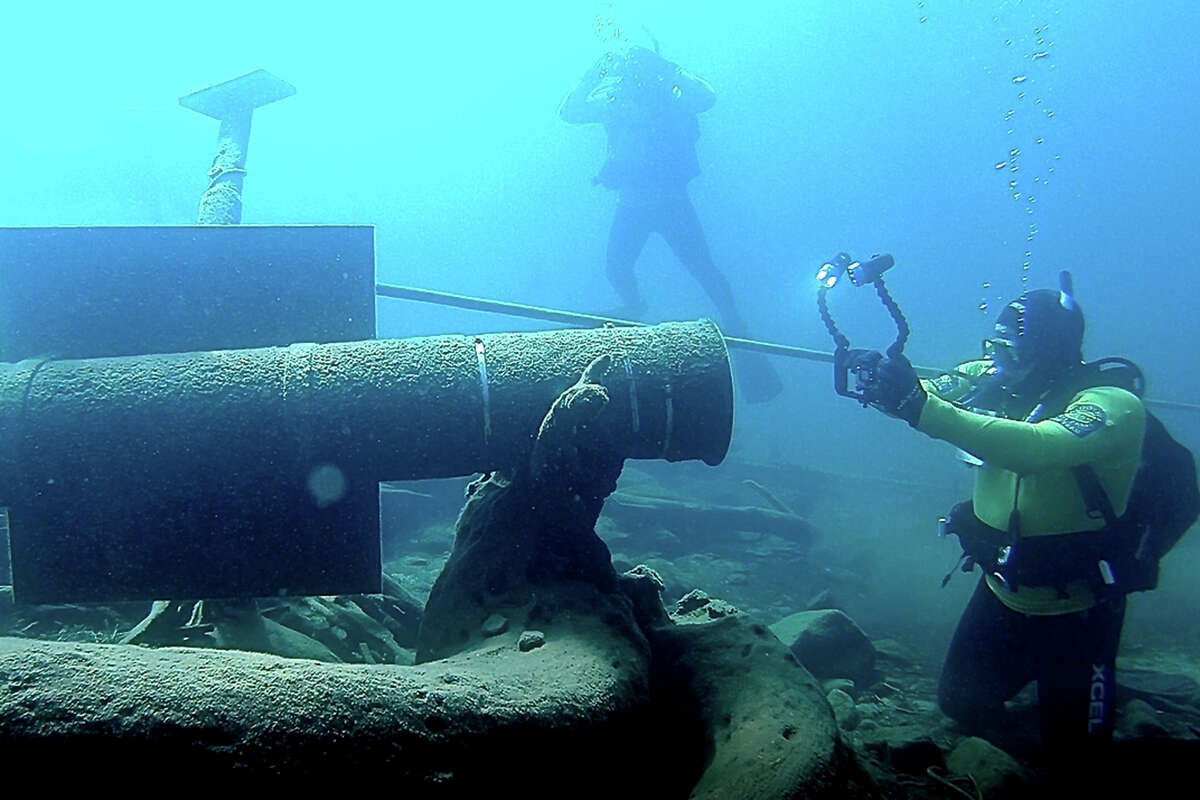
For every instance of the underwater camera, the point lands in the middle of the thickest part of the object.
(845, 360)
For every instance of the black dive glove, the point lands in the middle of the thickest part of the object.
(889, 384)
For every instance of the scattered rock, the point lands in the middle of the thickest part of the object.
(530, 640)
(994, 772)
(844, 710)
(495, 624)
(895, 654)
(829, 644)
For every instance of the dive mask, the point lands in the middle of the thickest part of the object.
(1003, 353)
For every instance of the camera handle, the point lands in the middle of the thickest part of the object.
(846, 360)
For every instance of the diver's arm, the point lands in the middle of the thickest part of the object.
(1097, 424)
(694, 94)
(588, 100)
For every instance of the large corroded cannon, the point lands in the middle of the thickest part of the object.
(254, 472)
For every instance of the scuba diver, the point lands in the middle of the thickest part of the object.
(1056, 445)
(648, 107)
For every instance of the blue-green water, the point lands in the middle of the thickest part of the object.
(986, 145)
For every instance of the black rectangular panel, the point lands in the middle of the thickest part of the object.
(85, 292)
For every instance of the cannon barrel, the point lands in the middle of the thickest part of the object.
(241, 472)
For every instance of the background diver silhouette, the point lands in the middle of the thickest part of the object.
(648, 107)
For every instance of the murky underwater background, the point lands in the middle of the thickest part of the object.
(986, 145)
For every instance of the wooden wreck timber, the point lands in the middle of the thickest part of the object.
(705, 521)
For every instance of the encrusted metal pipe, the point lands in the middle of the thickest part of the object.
(211, 456)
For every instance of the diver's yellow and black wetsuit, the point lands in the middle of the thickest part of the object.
(1063, 636)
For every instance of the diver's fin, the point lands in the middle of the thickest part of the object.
(757, 380)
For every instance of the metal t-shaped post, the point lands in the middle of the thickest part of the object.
(232, 103)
